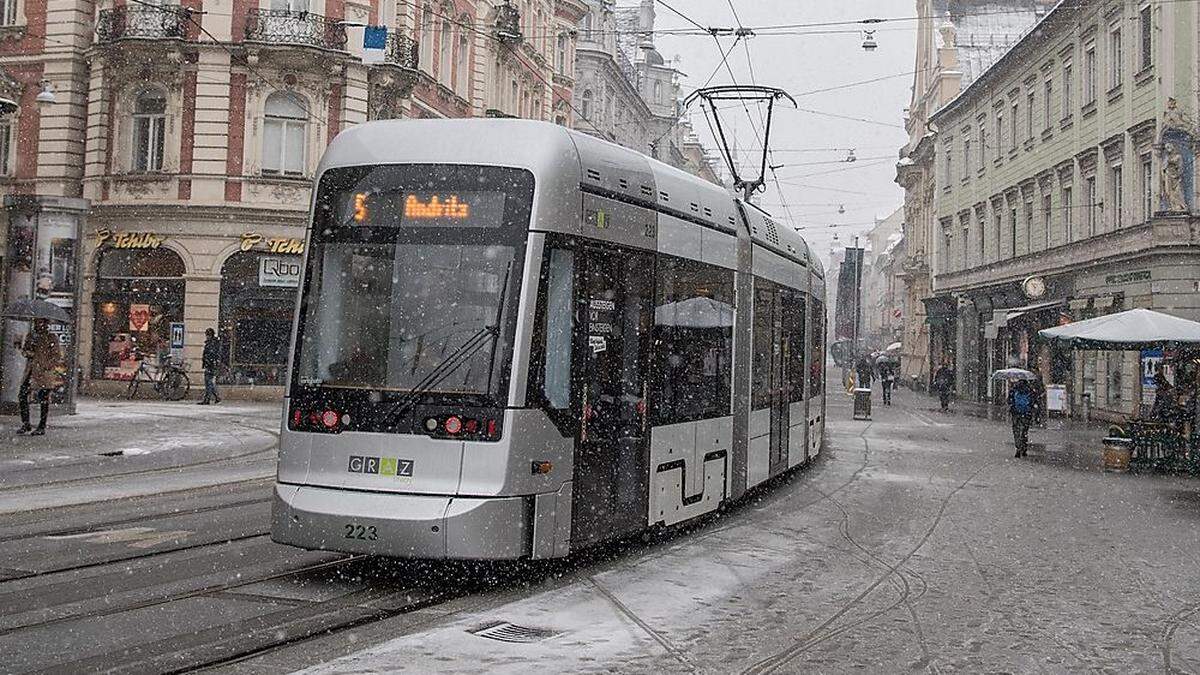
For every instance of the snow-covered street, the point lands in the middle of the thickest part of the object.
(917, 542)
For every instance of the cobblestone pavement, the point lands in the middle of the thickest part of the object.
(916, 543)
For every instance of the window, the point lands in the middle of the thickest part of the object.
(445, 45)
(425, 39)
(1068, 208)
(982, 144)
(948, 174)
(1029, 105)
(585, 104)
(966, 155)
(556, 371)
(1014, 125)
(1047, 219)
(999, 133)
(982, 237)
(8, 12)
(1047, 98)
(1114, 57)
(693, 331)
(1089, 74)
(999, 229)
(1012, 230)
(463, 76)
(1027, 244)
(1146, 27)
(1147, 189)
(1067, 89)
(816, 348)
(149, 127)
(560, 54)
(6, 143)
(964, 224)
(1090, 196)
(285, 123)
(1116, 196)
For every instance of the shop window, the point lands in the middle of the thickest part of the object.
(285, 124)
(693, 331)
(137, 302)
(149, 129)
(258, 298)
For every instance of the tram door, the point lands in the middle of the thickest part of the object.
(614, 307)
(773, 358)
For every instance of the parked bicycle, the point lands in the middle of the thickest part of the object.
(169, 378)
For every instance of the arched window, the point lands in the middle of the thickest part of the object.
(285, 124)
(561, 55)
(445, 50)
(585, 104)
(7, 124)
(463, 76)
(149, 127)
(425, 38)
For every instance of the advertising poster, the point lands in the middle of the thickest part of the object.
(139, 317)
(1152, 360)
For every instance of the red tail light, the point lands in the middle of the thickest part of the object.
(491, 428)
(329, 418)
(453, 424)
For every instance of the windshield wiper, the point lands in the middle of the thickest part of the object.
(458, 357)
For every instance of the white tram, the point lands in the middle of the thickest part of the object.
(516, 341)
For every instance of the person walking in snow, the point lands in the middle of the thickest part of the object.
(943, 384)
(210, 360)
(43, 358)
(1021, 402)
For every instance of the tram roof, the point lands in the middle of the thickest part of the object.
(558, 154)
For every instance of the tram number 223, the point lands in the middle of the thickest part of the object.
(363, 532)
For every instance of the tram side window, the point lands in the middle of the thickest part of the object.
(693, 338)
(816, 336)
(794, 325)
(762, 339)
(556, 369)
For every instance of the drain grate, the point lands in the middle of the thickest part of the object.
(503, 631)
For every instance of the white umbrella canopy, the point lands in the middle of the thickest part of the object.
(894, 347)
(1013, 374)
(1131, 329)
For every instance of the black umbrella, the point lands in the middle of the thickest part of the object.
(27, 309)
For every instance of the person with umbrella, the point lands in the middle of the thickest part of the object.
(43, 357)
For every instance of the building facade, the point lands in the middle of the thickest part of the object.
(163, 190)
(1067, 190)
(882, 287)
(956, 41)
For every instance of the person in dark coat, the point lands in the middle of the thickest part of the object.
(865, 371)
(210, 360)
(1022, 400)
(943, 384)
(43, 358)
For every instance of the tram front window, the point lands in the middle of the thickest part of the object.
(412, 281)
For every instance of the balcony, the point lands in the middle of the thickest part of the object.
(287, 27)
(142, 22)
(401, 51)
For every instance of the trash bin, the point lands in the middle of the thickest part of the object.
(1116, 453)
(862, 403)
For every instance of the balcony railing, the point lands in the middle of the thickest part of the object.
(163, 21)
(402, 51)
(287, 27)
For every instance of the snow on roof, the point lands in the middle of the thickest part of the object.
(984, 30)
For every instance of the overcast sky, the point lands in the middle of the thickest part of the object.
(815, 180)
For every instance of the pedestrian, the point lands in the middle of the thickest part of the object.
(865, 371)
(210, 360)
(1020, 410)
(43, 356)
(943, 383)
(887, 380)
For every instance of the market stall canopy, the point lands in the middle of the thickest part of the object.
(1131, 329)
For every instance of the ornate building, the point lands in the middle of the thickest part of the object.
(956, 41)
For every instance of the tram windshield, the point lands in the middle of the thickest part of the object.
(413, 275)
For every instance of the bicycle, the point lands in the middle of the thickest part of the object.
(170, 382)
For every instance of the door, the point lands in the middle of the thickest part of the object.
(614, 306)
(771, 360)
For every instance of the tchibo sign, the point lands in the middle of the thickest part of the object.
(274, 271)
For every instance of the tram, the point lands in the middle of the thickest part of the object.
(517, 341)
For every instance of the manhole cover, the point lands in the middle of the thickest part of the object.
(503, 631)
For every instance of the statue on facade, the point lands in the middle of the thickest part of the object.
(1177, 174)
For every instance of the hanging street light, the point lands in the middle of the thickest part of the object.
(46, 95)
(869, 43)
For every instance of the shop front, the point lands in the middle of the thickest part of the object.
(941, 313)
(138, 306)
(259, 290)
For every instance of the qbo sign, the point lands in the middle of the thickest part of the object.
(280, 272)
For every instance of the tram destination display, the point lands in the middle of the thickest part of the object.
(403, 208)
